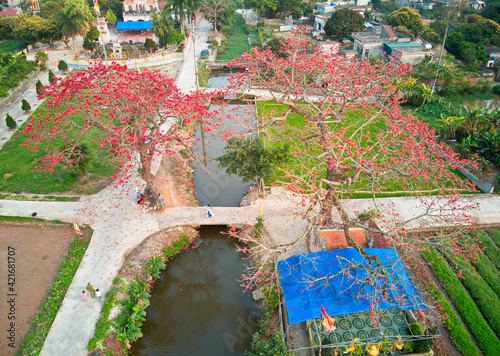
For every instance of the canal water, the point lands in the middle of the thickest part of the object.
(490, 104)
(198, 306)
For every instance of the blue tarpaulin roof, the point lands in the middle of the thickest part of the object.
(305, 287)
(133, 25)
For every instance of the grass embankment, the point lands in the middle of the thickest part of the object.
(129, 292)
(41, 323)
(487, 340)
(19, 162)
(296, 125)
(236, 41)
(12, 46)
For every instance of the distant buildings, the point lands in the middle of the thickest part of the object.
(138, 10)
(382, 39)
(326, 9)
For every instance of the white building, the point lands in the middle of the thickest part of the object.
(138, 10)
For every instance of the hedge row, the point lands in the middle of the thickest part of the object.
(486, 338)
(491, 250)
(485, 298)
(488, 272)
(495, 235)
(458, 334)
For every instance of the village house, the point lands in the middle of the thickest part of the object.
(326, 9)
(381, 39)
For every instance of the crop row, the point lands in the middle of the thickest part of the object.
(458, 334)
(486, 338)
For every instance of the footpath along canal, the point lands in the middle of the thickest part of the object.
(198, 306)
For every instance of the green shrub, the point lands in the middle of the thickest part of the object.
(154, 266)
(486, 338)
(272, 297)
(149, 43)
(52, 77)
(62, 65)
(25, 105)
(39, 87)
(496, 89)
(11, 123)
(176, 247)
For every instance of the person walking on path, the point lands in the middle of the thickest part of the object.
(84, 296)
(137, 191)
(98, 294)
(91, 290)
(160, 198)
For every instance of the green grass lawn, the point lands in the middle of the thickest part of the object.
(307, 166)
(21, 162)
(12, 46)
(237, 41)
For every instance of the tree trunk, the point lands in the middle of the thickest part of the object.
(74, 45)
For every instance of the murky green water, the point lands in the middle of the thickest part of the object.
(198, 307)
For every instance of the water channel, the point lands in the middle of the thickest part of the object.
(198, 306)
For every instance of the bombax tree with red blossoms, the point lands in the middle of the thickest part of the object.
(349, 139)
(132, 115)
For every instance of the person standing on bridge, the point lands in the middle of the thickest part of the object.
(209, 213)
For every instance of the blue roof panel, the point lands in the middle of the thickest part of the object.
(133, 25)
(314, 279)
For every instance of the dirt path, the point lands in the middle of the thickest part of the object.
(38, 250)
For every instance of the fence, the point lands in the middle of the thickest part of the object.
(150, 61)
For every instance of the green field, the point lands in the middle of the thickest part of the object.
(237, 41)
(306, 165)
(20, 162)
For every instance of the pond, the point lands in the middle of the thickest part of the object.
(493, 103)
(197, 306)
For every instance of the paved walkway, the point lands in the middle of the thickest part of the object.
(120, 225)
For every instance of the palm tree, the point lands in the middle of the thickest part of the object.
(162, 23)
(178, 8)
(74, 19)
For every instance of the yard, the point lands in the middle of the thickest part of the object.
(17, 166)
(296, 125)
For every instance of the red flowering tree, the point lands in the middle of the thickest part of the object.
(349, 138)
(124, 112)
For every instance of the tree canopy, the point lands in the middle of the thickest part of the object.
(410, 18)
(124, 111)
(343, 142)
(343, 22)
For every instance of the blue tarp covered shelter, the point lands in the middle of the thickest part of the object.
(311, 280)
(133, 25)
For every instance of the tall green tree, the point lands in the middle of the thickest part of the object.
(410, 18)
(162, 23)
(74, 19)
(110, 17)
(219, 11)
(7, 25)
(50, 33)
(249, 159)
(51, 8)
(179, 8)
(28, 28)
(344, 22)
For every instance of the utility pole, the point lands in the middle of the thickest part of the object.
(440, 58)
